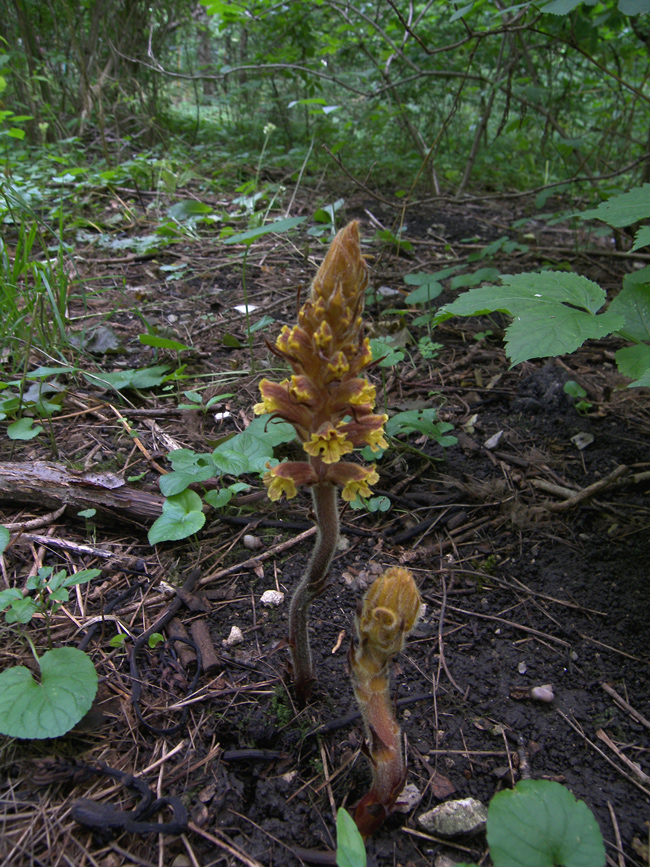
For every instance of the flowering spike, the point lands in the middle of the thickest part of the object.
(328, 351)
(331, 406)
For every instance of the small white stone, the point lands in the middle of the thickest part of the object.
(290, 776)
(493, 441)
(455, 818)
(236, 637)
(522, 668)
(543, 693)
(272, 597)
(408, 799)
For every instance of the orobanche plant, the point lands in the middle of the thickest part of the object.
(331, 407)
(389, 612)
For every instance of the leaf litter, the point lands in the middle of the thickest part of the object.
(519, 595)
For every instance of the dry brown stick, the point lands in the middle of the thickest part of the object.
(603, 755)
(617, 835)
(138, 442)
(260, 558)
(633, 712)
(209, 658)
(35, 523)
(187, 654)
(520, 626)
(441, 643)
(589, 491)
(65, 545)
(226, 846)
(605, 738)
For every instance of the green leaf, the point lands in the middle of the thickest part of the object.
(622, 210)
(387, 354)
(83, 576)
(230, 341)
(277, 226)
(464, 281)
(188, 468)
(218, 499)
(633, 303)
(350, 848)
(8, 597)
(188, 209)
(55, 705)
(641, 239)
(554, 312)
(5, 537)
(561, 7)
(634, 361)
(264, 322)
(182, 517)
(460, 12)
(21, 611)
(144, 377)
(23, 429)
(249, 451)
(424, 293)
(633, 7)
(421, 421)
(540, 824)
(163, 342)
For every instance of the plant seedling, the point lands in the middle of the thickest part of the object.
(577, 392)
(53, 704)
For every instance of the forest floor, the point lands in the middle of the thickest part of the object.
(525, 583)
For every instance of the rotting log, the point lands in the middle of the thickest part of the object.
(49, 484)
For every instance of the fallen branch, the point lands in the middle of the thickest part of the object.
(50, 484)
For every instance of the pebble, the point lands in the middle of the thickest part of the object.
(409, 798)
(455, 818)
(543, 693)
(272, 597)
(236, 637)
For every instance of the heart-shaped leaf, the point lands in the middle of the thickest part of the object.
(48, 709)
(182, 517)
(540, 824)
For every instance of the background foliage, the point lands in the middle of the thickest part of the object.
(448, 95)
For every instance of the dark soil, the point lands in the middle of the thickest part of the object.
(520, 590)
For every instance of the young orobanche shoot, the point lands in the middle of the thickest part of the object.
(390, 610)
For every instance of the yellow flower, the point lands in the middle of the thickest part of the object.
(337, 367)
(375, 438)
(278, 485)
(302, 389)
(272, 394)
(323, 336)
(331, 443)
(367, 394)
(359, 487)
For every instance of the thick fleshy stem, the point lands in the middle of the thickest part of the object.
(389, 612)
(312, 584)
